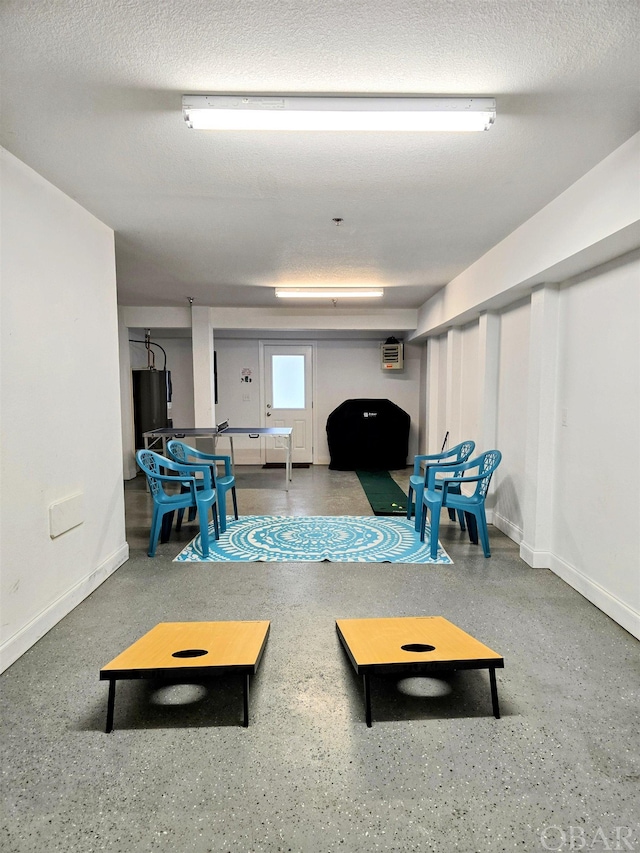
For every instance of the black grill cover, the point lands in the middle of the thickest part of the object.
(368, 435)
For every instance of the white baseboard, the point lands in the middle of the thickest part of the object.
(22, 640)
(618, 610)
(535, 559)
(507, 527)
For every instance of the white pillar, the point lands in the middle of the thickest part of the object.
(535, 548)
(203, 377)
(433, 395)
(454, 385)
(488, 378)
(129, 467)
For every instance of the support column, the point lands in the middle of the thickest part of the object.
(535, 548)
(454, 385)
(433, 395)
(203, 378)
(488, 377)
(129, 467)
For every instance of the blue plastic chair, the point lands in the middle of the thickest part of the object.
(196, 493)
(181, 452)
(435, 499)
(460, 453)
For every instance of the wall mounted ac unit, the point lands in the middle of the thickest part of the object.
(392, 354)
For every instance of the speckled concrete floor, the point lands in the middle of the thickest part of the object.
(435, 772)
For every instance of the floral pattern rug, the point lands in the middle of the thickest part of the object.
(338, 539)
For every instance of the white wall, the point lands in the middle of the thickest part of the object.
(561, 382)
(509, 480)
(350, 370)
(469, 384)
(345, 370)
(596, 499)
(60, 414)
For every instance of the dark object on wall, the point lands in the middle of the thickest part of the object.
(368, 435)
(150, 395)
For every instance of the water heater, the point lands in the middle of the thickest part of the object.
(151, 393)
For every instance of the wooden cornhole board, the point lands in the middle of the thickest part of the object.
(417, 644)
(191, 650)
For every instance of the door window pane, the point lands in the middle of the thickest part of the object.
(287, 376)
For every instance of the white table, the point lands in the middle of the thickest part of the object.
(164, 434)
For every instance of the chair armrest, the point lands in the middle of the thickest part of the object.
(217, 457)
(205, 470)
(446, 482)
(418, 460)
(226, 460)
(458, 469)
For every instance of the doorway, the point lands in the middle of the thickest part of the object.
(287, 398)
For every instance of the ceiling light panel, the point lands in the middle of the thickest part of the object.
(329, 292)
(337, 113)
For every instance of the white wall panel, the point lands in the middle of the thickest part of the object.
(509, 481)
(597, 499)
(469, 386)
(60, 417)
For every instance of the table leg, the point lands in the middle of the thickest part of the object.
(246, 700)
(110, 705)
(233, 461)
(367, 698)
(287, 467)
(494, 693)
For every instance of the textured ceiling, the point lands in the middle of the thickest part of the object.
(91, 99)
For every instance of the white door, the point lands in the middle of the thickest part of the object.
(287, 399)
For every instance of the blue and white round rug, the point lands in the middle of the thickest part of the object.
(339, 539)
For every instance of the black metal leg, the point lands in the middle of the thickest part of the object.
(110, 705)
(494, 693)
(367, 698)
(246, 700)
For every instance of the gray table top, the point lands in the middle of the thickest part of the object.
(184, 432)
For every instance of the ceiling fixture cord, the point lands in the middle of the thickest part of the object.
(338, 113)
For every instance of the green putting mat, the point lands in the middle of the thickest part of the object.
(383, 493)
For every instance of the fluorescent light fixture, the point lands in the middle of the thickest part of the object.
(329, 292)
(337, 112)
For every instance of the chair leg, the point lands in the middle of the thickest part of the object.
(435, 529)
(203, 517)
(215, 521)
(423, 521)
(156, 523)
(222, 509)
(409, 501)
(452, 514)
(235, 502)
(180, 518)
(167, 524)
(461, 519)
(483, 532)
(419, 504)
(473, 527)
